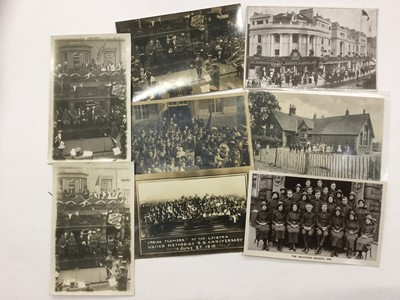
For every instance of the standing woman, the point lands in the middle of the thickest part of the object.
(278, 224)
(367, 233)
(351, 232)
(273, 202)
(361, 213)
(331, 204)
(293, 220)
(337, 231)
(263, 223)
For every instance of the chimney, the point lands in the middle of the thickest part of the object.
(315, 116)
(364, 111)
(292, 110)
(347, 112)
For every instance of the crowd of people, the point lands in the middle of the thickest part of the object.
(323, 216)
(173, 53)
(289, 78)
(174, 147)
(321, 148)
(192, 211)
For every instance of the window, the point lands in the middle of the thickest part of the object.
(141, 112)
(215, 106)
(295, 38)
(277, 38)
(259, 38)
(271, 126)
(106, 184)
(259, 50)
(178, 103)
(109, 57)
(276, 52)
(260, 22)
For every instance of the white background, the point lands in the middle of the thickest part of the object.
(25, 178)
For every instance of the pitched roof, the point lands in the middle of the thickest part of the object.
(343, 125)
(291, 122)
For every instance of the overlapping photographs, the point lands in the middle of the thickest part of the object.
(92, 229)
(190, 216)
(315, 219)
(187, 53)
(196, 136)
(311, 48)
(89, 98)
(322, 134)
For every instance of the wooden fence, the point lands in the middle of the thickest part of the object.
(328, 165)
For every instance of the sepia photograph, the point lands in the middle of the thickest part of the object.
(186, 53)
(89, 98)
(330, 134)
(191, 215)
(316, 219)
(311, 48)
(92, 229)
(191, 136)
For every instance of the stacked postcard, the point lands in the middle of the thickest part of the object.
(159, 151)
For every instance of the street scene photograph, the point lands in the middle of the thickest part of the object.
(187, 53)
(195, 135)
(311, 48)
(90, 98)
(191, 215)
(330, 135)
(314, 218)
(93, 229)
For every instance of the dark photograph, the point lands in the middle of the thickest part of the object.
(314, 219)
(191, 215)
(186, 53)
(93, 229)
(331, 135)
(195, 135)
(311, 48)
(90, 98)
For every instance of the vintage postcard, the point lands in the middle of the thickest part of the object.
(90, 98)
(323, 134)
(190, 216)
(316, 219)
(196, 136)
(186, 53)
(311, 48)
(92, 234)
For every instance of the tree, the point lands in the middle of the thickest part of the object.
(261, 104)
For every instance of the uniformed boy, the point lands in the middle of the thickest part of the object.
(323, 222)
(307, 225)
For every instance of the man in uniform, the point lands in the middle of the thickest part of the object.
(325, 194)
(307, 225)
(122, 278)
(317, 202)
(273, 202)
(319, 186)
(289, 200)
(308, 184)
(198, 64)
(109, 264)
(345, 207)
(297, 193)
(323, 221)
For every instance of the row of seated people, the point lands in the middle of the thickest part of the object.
(70, 197)
(91, 244)
(83, 117)
(353, 231)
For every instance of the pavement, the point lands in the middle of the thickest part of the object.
(324, 252)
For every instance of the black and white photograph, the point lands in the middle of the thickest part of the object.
(93, 229)
(186, 53)
(191, 215)
(314, 219)
(322, 134)
(90, 98)
(311, 48)
(202, 136)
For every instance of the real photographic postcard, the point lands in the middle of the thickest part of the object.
(311, 48)
(323, 134)
(190, 216)
(197, 136)
(186, 53)
(92, 233)
(90, 98)
(314, 219)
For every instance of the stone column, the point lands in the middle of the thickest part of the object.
(280, 44)
(290, 43)
(307, 44)
(272, 45)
